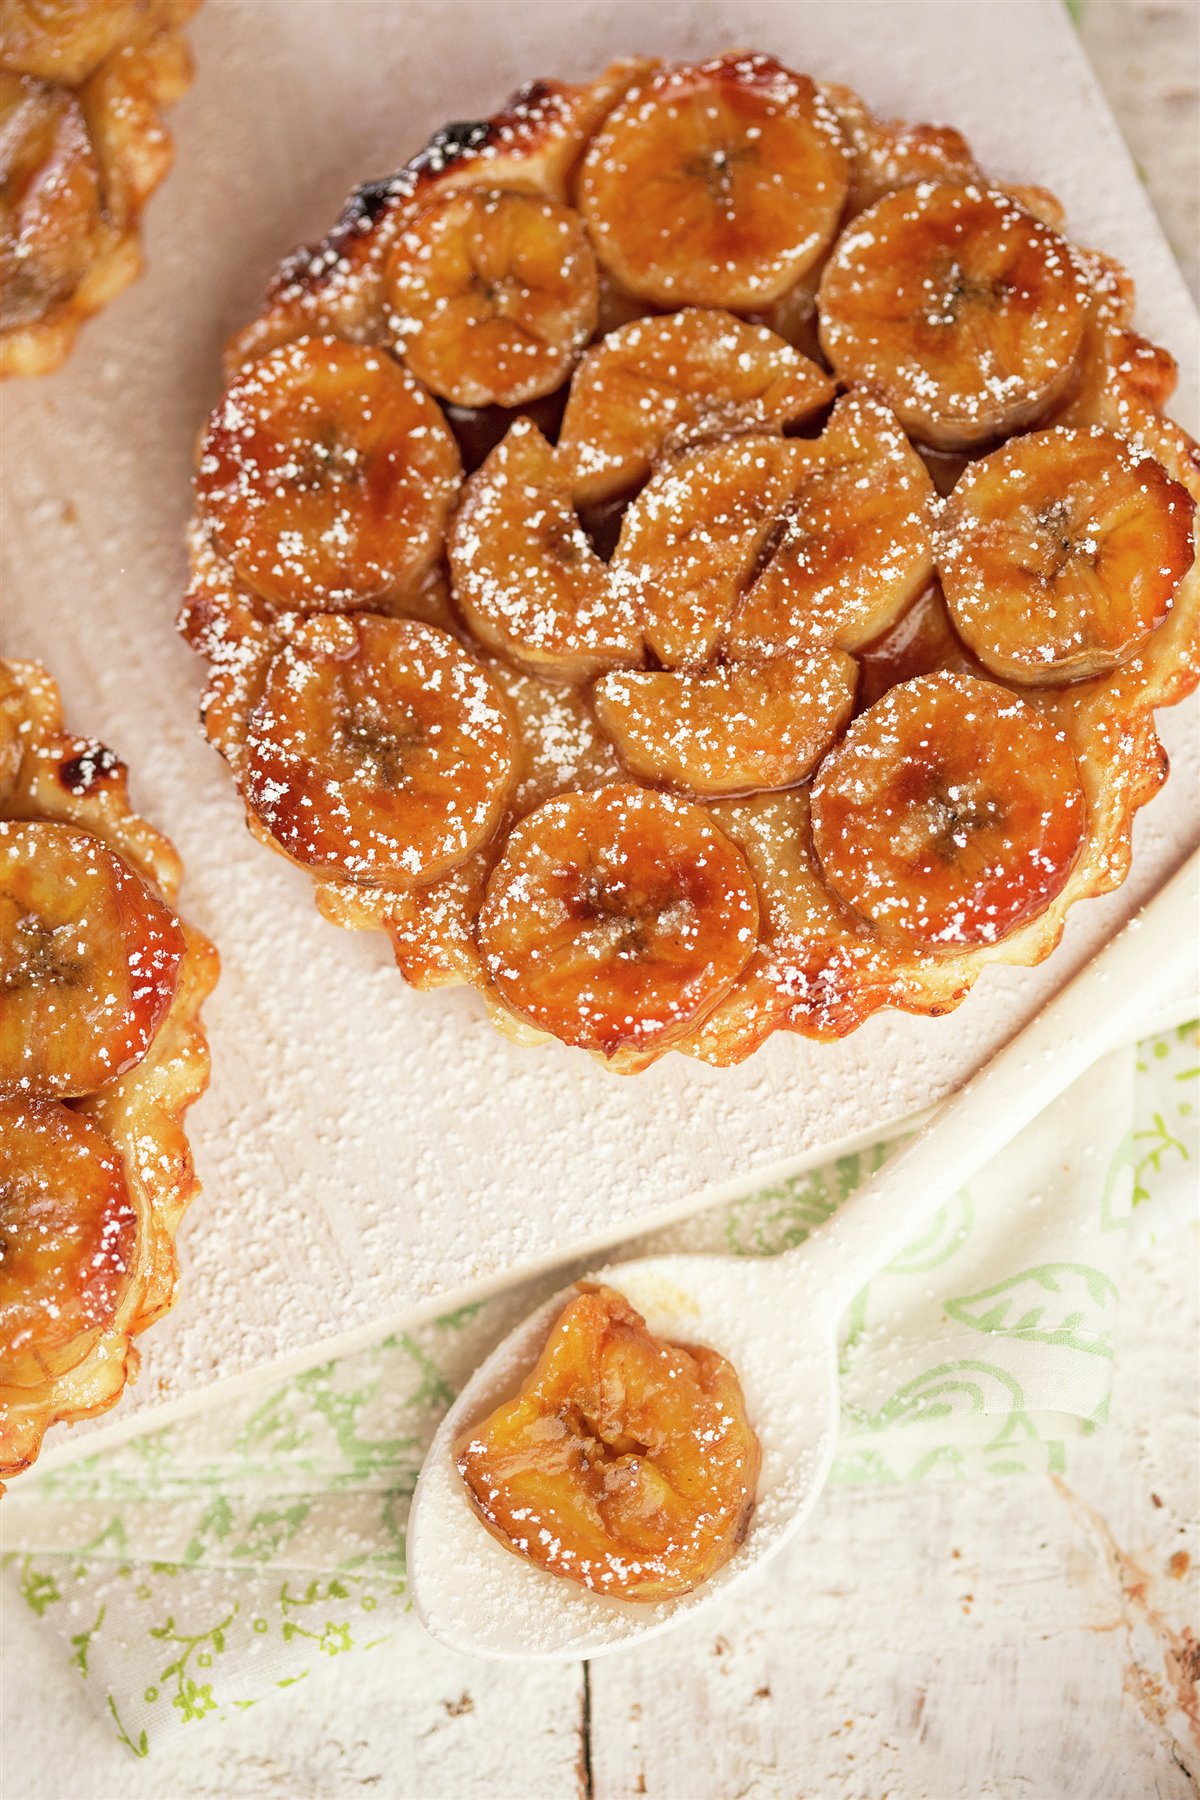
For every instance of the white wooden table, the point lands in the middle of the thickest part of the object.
(1034, 1638)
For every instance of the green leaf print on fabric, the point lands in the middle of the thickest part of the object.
(1057, 1303)
(861, 1468)
(214, 1523)
(952, 1390)
(433, 1388)
(854, 1326)
(780, 1217)
(192, 1698)
(270, 1530)
(81, 1641)
(1117, 1194)
(141, 1747)
(37, 1589)
(462, 1315)
(1154, 1144)
(284, 1426)
(1018, 1448)
(331, 1636)
(944, 1460)
(946, 1233)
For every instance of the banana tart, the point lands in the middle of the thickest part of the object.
(690, 558)
(101, 1054)
(83, 84)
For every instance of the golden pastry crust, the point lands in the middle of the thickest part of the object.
(83, 85)
(736, 512)
(49, 774)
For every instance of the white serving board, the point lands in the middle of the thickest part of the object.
(370, 1153)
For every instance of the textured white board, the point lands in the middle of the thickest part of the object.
(368, 1151)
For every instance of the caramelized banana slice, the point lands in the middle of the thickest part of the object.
(690, 541)
(51, 226)
(615, 918)
(957, 308)
(851, 545)
(729, 730)
(524, 575)
(492, 295)
(950, 814)
(533, 144)
(69, 1231)
(432, 928)
(326, 474)
(718, 184)
(1061, 552)
(89, 960)
(624, 1463)
(124, 101)
(664, 383)
(379, 751)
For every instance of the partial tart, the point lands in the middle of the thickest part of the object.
(690, 558)
(83, 85)
(101, 1054)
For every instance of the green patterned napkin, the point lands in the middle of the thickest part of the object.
(197, 1569)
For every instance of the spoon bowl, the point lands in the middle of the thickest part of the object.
(473, 1594)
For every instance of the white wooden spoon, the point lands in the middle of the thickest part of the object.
(776, 1318)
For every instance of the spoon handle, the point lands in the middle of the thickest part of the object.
(1139, 971)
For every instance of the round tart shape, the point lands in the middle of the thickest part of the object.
(804, 505)
(83, 84)
(101, 1055)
